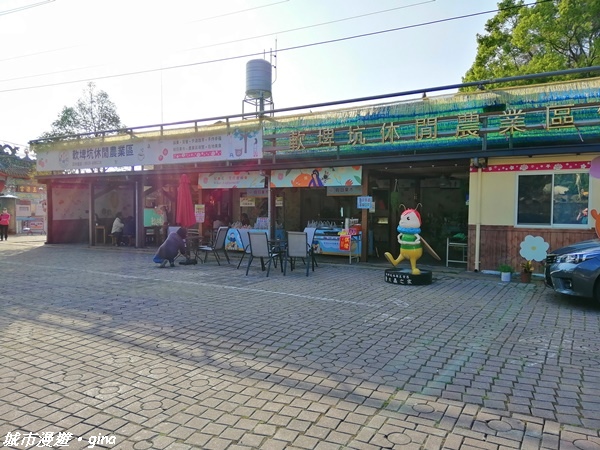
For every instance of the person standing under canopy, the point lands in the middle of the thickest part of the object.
(117, 229)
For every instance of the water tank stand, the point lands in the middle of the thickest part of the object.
(259, 106)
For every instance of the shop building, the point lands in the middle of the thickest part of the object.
(21, 194)
(494, 166)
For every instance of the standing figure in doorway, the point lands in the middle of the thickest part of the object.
(245, 220)
(4, 222)
(217, 223)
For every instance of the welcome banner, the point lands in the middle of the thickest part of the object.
(240, 144)
(228, 180)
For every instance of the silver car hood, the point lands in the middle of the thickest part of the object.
(592, 245)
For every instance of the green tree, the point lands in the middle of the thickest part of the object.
(93, 113)
(548, 36)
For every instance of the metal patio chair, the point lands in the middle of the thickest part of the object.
(310, 236)
(260, 248)
(217, 246)
(243, 232)
(298, 247)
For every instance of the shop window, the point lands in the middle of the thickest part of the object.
(553, 199)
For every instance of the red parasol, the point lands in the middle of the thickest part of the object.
(185, 207)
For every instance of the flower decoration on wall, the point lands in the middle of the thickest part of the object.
(534, 248)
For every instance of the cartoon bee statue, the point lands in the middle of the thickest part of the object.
(410, 240)
(596, 217)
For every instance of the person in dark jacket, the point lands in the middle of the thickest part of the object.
(174, 244)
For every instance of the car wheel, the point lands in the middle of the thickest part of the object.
(597, 291)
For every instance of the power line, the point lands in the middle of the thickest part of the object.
(13, 143)
(239, 11)
(38, 53)
(23, 8)
(47, 73)
(233, 41)
(311, 26)
(297, 47)
(88, 67)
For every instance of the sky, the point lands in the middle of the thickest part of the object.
(182, 60)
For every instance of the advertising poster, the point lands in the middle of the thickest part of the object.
(200, 213)
(345, 240)
(317, 177)
(247, 202)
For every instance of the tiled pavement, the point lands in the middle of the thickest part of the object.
(100, 343)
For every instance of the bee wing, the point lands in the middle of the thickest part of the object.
(431, 251)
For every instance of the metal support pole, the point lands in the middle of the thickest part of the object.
(91, 217)
(140, 234)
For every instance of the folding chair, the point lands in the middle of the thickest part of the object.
(310, 236)
(260, 248)
(217, 245)
(298, 247)
(245, 243)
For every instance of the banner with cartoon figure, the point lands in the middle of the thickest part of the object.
(317, 177)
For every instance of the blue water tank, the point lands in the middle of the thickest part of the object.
(258, 79)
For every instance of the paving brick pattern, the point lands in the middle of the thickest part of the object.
(99, 342)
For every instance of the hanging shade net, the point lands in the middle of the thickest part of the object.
(185, 207)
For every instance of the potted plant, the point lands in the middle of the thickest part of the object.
(526, 271)
(505, 272)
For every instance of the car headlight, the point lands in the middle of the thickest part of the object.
(576, 258)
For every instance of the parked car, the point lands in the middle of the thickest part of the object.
(575, 269)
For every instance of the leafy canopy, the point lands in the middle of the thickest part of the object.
(549, 36)
(93, 113)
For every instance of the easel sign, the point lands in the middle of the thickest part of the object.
(346, 244)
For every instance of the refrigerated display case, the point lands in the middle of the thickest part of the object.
(327, 242)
